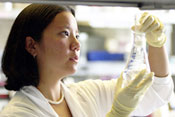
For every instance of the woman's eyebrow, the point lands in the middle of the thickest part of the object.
(67, 27)
(61, 27)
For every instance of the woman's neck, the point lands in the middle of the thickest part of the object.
(50, 88)
(50, 83)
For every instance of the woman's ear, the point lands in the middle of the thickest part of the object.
(30, 46)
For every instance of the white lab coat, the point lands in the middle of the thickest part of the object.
(91, 98)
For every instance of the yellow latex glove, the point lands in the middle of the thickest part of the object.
(126, 99)
(153, 28)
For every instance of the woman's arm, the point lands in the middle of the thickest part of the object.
(156, 38)
(158, 60)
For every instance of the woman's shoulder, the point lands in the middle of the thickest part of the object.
(18, 106)
(85, 83)
(25, 103)
(93, 86)
(92, 83)
(95, 92)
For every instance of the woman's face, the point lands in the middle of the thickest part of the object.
(58, 51)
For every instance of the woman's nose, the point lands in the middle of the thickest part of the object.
(75, 46)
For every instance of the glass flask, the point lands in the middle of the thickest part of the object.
(138, 58)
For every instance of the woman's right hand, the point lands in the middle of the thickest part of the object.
(126, 99)
(153, 28)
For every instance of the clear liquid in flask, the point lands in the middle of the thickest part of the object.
(137, 60)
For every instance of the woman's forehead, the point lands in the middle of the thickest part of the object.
(64, 20)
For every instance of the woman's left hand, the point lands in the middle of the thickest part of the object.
(126, 99)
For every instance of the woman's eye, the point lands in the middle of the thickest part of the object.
(65, 33)
(77, 36)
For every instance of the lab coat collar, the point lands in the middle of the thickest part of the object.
(36, 96)
(73, 103)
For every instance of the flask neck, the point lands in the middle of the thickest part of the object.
(139, 39)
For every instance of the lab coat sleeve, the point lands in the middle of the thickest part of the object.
(158, 95)
(102, 93)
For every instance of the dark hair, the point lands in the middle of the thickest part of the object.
(18, 65)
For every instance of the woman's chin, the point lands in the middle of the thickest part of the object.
(69, 70)
(72, 71)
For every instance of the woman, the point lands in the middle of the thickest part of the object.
(43, 48)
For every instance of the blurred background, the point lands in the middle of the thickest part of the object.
(106, 40)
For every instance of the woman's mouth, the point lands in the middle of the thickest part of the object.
(74, 59)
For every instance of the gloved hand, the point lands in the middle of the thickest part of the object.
(126, 99)
(153, 28)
